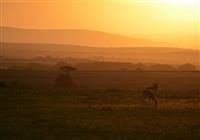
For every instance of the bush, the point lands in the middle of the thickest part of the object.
(64, 80)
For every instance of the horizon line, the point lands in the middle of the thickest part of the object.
(86, 29)
(63, 44)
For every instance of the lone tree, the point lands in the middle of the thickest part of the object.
(63, 79)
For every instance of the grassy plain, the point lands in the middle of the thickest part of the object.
(105, 106)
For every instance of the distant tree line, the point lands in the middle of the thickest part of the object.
(112, 66)
(109, 66)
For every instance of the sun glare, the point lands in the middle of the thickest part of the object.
(185, 3)
(181, 2)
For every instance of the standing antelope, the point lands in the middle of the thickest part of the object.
(149, 92)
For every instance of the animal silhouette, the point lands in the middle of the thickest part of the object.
(149, 92)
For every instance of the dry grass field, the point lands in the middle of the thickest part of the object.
(105, 106)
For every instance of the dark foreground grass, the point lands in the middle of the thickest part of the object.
(50, 114)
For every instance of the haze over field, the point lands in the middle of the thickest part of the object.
(131, 31)
(131, 54)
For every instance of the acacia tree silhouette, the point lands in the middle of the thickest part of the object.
(63, 79)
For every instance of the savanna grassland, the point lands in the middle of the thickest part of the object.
(104, 106)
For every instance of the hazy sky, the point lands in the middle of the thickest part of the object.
(151, 18)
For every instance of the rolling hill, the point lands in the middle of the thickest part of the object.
(76, 37)
(133, 55)
(93, 45)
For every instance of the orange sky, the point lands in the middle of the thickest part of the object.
(174, 21)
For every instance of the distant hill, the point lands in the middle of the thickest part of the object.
(133, 55)
(76, 37)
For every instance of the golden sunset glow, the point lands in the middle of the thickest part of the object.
(180, 2)
(163, 20)
(100, 69)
